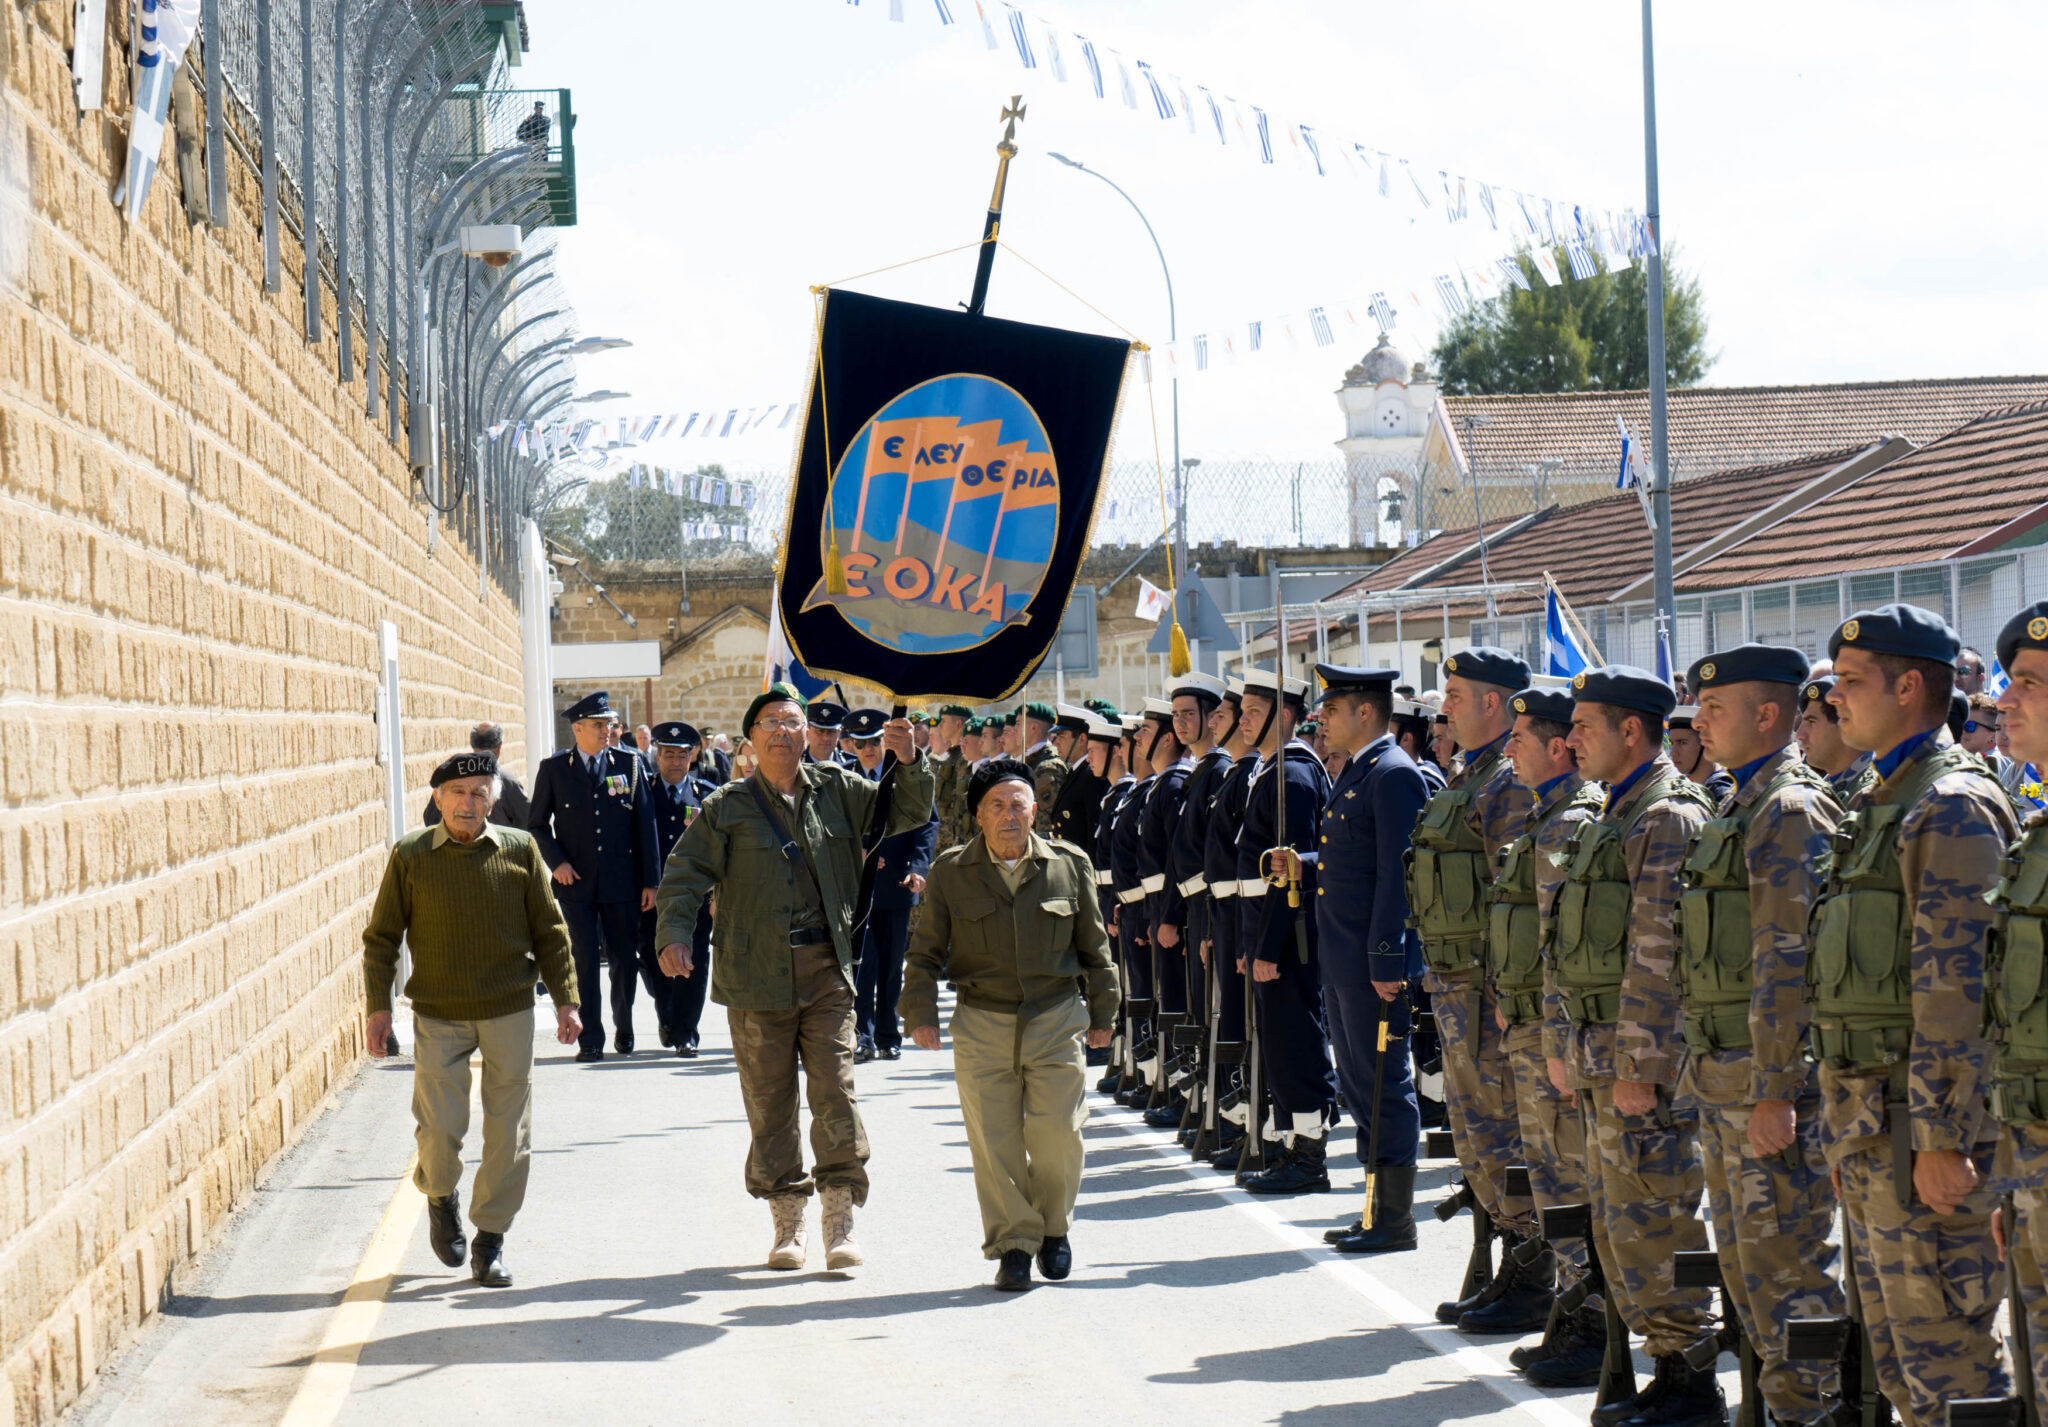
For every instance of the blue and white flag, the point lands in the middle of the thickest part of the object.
(1201, 352)
(1382, 311)
(1627, 475)
(1215, 114)
(1582, 261)
(1265, 136)
(1258, 336)
(1023, 41)
(1094, 63)
(1486, 202)
(945, 14)
(1511, 271)
(1159, 99)
(1420, 193)
(167, 27)
(1314, 150)
(1319, 323)
(1563, 655)
(1995, 679)
(1449, 294)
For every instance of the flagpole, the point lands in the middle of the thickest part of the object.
(1660, 490)
(992, 227)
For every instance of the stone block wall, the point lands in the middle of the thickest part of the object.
(199, 533)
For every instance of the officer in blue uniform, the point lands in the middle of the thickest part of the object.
(677, 792)
(901, 863)
(593, 816)
(1170, 768)
(1367, 951)
(827, 719)
(1109, 742)
(1219, 873)
(1277, 942)
(1133, 932)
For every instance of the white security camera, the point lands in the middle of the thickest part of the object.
(496, 243)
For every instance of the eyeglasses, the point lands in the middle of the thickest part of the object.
(780, 725)
(1975, 725)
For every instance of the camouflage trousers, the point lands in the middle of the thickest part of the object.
(769, 1048)
(1479, 1092)
(1929, 1285)
(2026, 1240)
(1553, 1137)
(1644, 1171)
(1771, 1223)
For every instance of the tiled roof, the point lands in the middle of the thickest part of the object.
(1722, 428)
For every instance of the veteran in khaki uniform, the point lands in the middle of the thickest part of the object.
(1750, 879)
(1896, 972)
(1011, 919)
(2016, 1008)
(1614, 957)
(781, 851)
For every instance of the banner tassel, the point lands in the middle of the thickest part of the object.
(835, 570)
(1178, 662)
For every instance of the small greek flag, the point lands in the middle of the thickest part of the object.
(1522, 202)
(1201, 352)
(1382, 312)
(633, 477)
(1511, 270)
(1159, 99)
(1995, 680)
(687, 425)
(1450, 295)
(1420, 193)
(1582, 261)
(1258, 336)
(1319, 323)
(1314, 151)
(1563, 655)
(945, 14)
(1486, 202)
(1265, 136)
(1023, 41)
(1215, 115)
(1094, 63)
(730, 416)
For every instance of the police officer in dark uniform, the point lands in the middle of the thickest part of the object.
(1079, 802)
(1133, 931)
(901, 863)
(827, 720)
(1170, 768)
(1183, 903)
(1366, 950)
(1109, 754)
(593, 816)
(1219, 874)
(1277, 941)
(677, 792)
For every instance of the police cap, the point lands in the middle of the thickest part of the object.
(677, 735)
(1903, 629)
(597, 705)
(864, 723)
(1341, 679)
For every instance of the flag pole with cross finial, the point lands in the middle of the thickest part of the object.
(992, 227)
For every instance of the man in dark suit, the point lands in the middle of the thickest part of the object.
(593, 817)
(1368, 953)
(511, 808)
(901, 863)
(677, 793)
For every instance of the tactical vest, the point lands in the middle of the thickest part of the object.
(1589, 950)
(1447, 885)
(1859, 968)
(1716, 959)
(1514, 939)
(2015, 1010)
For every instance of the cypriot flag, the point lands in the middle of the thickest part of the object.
(167, 29)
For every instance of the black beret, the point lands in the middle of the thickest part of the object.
(2026, 630)
(1902, 629)
(465, 765)
(1749, 664)
(677, 735)
(1624, 686)
(994, 771)
(1816, 688)
(1486, 664)
(773, 694)
(1340, 679)
(864, 723)
(1553, 704)
(826, 714)
(597, 705)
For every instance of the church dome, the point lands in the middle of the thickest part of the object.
(1384, 363)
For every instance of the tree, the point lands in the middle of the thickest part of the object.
(1586, 334)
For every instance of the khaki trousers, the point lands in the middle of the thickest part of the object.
(1023, 1098)
(768, 1048)
(440, 1110)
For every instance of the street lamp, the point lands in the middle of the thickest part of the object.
(1172, 335)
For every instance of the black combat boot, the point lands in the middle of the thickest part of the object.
(1450, 1313)
(1522, 1295)
(1556, 1339)
(1692, 1398)
(1571, 1356)
(1645, 1400)
(1302, 1169)
(1166, 1114)
(1393, 1215)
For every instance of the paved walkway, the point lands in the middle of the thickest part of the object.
(639, 1297)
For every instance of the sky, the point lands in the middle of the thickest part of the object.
(1852, 184)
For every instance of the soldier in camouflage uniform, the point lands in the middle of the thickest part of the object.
(1820, 742)
(2016, 1009)
(1896, 971)
(950, 769)
(1751, 875)
(1529, 871)
(1614, 955)
(1450, 873)
(1048, 769)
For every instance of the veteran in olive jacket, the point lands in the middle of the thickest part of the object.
(781, 851)
(1012, 920)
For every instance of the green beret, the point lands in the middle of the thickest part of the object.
(773, 694)
(1042, 712)
(955, 711)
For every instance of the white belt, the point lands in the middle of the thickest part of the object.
(1136, 894)
(1104, 877)
(1194, 884)
(1252, 887)
(1155, 883)
(1220, 890)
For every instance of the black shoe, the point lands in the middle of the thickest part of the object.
(1572, 1356)
(1393, 1214)
(687, 1050)
(622, 1043)
(1302, 1170)
(1164, 1116)
(1330, 1236)
(487, 1260)
(444, 1229)
(668, 1042)
(1692, 1398)
(890, 1052)
(1013, 1275)
(863, 1052)
(1110, 1083)
(1228, 1156)
(589, 1053)
(1518, 1300)
(1434, 1115)
(1450, 1313)
(1055, 1257)
(1645, 1400)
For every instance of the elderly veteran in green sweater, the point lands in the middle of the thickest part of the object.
(781, 853)
(473, 901)
(1012, 920)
